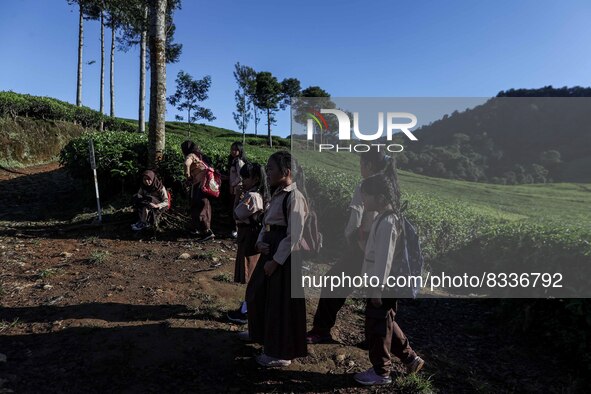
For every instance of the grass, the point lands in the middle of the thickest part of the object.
(98, 257)
(46, 273)
(224, 277)
(413, 384)
(205, 255)
(5, 326)
(208, 307)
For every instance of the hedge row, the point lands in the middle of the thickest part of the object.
(16, 104)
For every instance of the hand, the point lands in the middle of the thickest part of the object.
(377, 302)
(270, 267)
(263, 247)
(152, 205)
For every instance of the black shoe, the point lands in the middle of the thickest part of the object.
(237, 317)
(206, 236)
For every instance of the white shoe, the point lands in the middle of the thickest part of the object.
(271, 362)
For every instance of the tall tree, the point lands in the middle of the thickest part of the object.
(312, 99)
(134, 32)
(102, 88)
(268, 97)
(142, 93)
(242, 114)
(189, 92)
(157, 43)
(81, 5)
(290, 87)
(244, 76)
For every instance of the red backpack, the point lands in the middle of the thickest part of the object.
(212, 181)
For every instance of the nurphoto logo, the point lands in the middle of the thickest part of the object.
(344, 130)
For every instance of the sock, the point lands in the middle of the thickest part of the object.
(243, 307)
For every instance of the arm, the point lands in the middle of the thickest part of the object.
(247, 207)
(188, 162)
(163, 198)
(297, 210)
(385, 245)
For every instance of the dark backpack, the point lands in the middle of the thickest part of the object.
(311, 242)
(409, 261)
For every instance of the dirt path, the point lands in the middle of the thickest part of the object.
(97, 310)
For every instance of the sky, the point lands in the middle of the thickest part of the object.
(420, 48)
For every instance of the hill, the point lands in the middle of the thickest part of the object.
(520, 136)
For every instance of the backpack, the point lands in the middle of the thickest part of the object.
(211, 182)
(311, 241)
(169, 198)
(409, 262)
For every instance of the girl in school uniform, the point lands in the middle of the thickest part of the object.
(276, 317)
(248, 214)
(236, 160)
(381, 193)
(150, 200)
(200, 206)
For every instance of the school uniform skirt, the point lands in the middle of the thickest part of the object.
(246, 256)
(275, 319)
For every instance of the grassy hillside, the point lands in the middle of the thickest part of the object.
(566, 203)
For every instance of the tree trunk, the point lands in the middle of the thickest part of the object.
(269, 127)
(102, 89)
(80, 46)
(157, 81)
(142, 106)
(188, 124)
(112, 87)
(256, 121)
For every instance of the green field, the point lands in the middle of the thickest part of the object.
(568, 203)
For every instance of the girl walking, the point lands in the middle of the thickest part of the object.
(381, 193)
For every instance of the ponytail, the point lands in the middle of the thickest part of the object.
(385, 184)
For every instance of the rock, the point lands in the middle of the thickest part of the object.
(215, 259)
(47, 287)
(66, 254)
(184, 256)
(351, 363)
(339, 358)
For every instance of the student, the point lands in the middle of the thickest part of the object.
(248, 214)
(150, 200)
(200, 206)
(381, 193)
(356, 232)
(236, 160)
(275, 318)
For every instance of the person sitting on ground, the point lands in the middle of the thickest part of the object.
(150, 200)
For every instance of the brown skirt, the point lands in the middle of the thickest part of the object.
(275, 319)
(246, 255)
